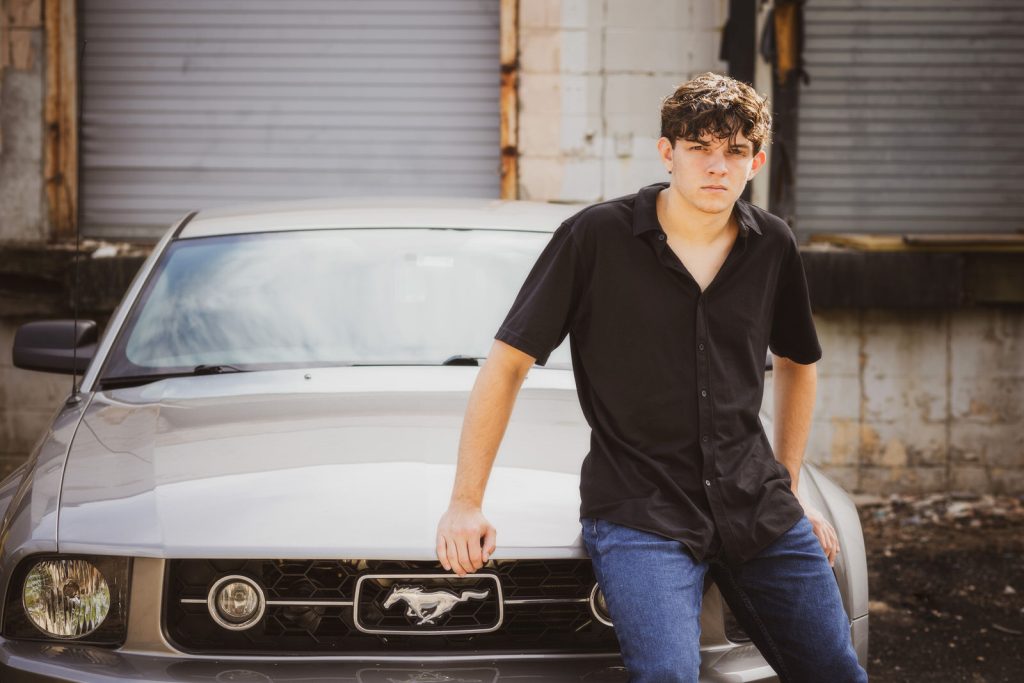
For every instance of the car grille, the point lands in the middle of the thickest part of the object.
(522, 606)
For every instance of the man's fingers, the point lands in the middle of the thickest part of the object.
(442, 552)
(473, 545)
(453, 555)
(464, 564)
(825, 539)
(489, 542)
(833, 544)
(465, 539)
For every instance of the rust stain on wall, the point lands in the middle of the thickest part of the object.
(60, 152)
(509, 56)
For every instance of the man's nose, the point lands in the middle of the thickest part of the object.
(716, 164)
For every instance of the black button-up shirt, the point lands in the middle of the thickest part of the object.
(670, 378)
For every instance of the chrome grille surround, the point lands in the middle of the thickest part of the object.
(311, 608)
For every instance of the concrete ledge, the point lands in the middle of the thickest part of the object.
(37, 279)
(849, 278)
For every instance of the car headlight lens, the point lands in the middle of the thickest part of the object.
(80, 598)
(236, 602)
(66, 598)
(599, 606)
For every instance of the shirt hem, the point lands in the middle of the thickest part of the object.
(688, 544)
(515, 339)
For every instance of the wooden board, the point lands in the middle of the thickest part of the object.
(1001, 242)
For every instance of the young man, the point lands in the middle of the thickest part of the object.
(672, 297)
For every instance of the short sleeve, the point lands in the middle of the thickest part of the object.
(793, 334)
(543, 310)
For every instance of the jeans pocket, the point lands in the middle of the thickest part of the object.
(588, 525)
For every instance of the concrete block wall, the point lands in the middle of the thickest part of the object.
(22, 81)
(592, 77)
(921, 401)
(28, 401)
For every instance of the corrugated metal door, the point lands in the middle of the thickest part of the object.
(199, 103)
(914, 117)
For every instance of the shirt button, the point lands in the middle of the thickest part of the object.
(704, 438)
(707, 482)
(661, 237)
(700, 346)
(704, 393)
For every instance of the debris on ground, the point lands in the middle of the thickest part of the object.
(944, 576)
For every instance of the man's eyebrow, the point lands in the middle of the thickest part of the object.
(745, 145)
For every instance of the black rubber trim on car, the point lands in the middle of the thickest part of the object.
(181, 226)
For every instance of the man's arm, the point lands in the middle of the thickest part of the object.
(794, 388)
(465, 539)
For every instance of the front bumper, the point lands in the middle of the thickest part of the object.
(25, 662)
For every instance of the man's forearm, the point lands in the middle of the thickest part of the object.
(487, 415)
(794, 390)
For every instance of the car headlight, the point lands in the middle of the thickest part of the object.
(236, 602)
(66, 598)
(80, 598)
(599, 607)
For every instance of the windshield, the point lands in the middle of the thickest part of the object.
(326, 297)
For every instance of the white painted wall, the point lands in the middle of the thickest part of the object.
(593, 74)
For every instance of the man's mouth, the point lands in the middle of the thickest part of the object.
(713, 187)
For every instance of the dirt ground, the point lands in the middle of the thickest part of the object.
(946, 582)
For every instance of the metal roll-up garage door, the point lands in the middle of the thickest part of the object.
(913, 120)
(200, 103)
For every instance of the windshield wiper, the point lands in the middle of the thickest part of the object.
(139, 380)
(204, 369)
(459, 359)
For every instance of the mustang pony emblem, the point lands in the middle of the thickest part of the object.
(429, 606)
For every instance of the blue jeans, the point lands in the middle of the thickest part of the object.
(786, 599)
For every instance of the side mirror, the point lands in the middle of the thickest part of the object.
(64, 346)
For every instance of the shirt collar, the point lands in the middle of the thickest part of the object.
(645, 212)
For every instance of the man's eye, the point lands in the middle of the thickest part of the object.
(697, 147)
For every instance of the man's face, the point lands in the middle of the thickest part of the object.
(710, 173)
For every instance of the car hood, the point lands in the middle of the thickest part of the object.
(322, 463)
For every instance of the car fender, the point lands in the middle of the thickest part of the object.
(840, 510)
(30, 496)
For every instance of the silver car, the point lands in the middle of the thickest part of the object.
(246, 485)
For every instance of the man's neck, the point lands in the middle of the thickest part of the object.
(688, 223)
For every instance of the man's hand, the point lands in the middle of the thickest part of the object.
(465, 539)
(824, 531)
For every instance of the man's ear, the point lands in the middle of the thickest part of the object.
(759, 159)
(665, 152)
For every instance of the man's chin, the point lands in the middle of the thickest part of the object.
(713, 205)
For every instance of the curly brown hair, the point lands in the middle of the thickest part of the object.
(717, 105)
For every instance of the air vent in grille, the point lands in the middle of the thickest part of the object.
(544, 608)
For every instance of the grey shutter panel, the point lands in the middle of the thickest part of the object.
(201, 103)
(914, 117)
